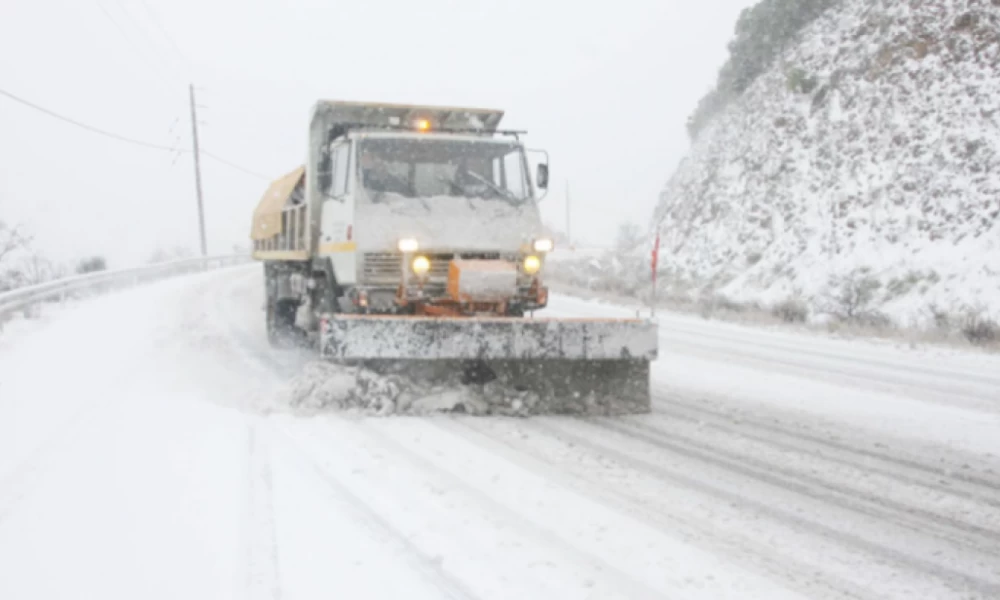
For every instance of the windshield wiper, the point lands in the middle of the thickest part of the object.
(507, 194)
(455, 187)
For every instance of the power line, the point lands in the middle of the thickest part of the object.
(122, 138)
(128, 39)
(218, 158)
(90, 128)
(176, 145)
(163, 31)
(144, 35)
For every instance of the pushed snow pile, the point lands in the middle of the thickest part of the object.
(409, 389)
(324, 385)
(867, 157)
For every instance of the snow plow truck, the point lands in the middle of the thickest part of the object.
(412, 234)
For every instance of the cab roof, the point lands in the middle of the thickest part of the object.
(378, 114)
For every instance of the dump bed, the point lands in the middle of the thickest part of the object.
(280, 222)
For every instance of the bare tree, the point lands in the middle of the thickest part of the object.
(36, 269)
(11, 240)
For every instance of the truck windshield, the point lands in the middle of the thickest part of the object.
(424, 168)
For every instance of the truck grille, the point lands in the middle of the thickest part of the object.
(386, 267)
(382, 267)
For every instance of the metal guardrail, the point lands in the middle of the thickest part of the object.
(25, 297)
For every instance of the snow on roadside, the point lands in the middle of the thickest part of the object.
(36, 392)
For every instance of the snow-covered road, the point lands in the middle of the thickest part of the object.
(145, 452)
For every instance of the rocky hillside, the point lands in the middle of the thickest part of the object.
(858, 173)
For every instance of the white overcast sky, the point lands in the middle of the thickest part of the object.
(604, 86)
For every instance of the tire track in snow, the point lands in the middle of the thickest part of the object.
(586, 433)
(976, 486)
(955, 394)
(952, 482)
(263, 575)
(748, 552)
(515, 515)
(429, 566)
(871, 370)
(914, 518)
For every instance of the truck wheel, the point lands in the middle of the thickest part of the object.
(327, 298)
(281, 323)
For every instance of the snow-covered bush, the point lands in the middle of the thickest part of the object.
(92, 265)
(792, 310)
(980, 329)
(853, 295)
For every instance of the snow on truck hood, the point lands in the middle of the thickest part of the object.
(446, 222)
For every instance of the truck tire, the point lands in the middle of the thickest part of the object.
(281, 332)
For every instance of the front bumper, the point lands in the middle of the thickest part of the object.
(386, 299)
(387, 284)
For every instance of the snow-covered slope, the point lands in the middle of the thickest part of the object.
(887, 175)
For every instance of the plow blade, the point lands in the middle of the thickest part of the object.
(575, 366)
(365, 337)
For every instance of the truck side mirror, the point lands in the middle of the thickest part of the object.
(542, 178)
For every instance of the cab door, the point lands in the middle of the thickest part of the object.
(337, 220)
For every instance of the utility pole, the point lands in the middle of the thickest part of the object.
(197, 171)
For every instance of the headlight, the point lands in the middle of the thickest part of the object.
(408, 245)
(544, 245)
(421, 265)
(532, 264)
